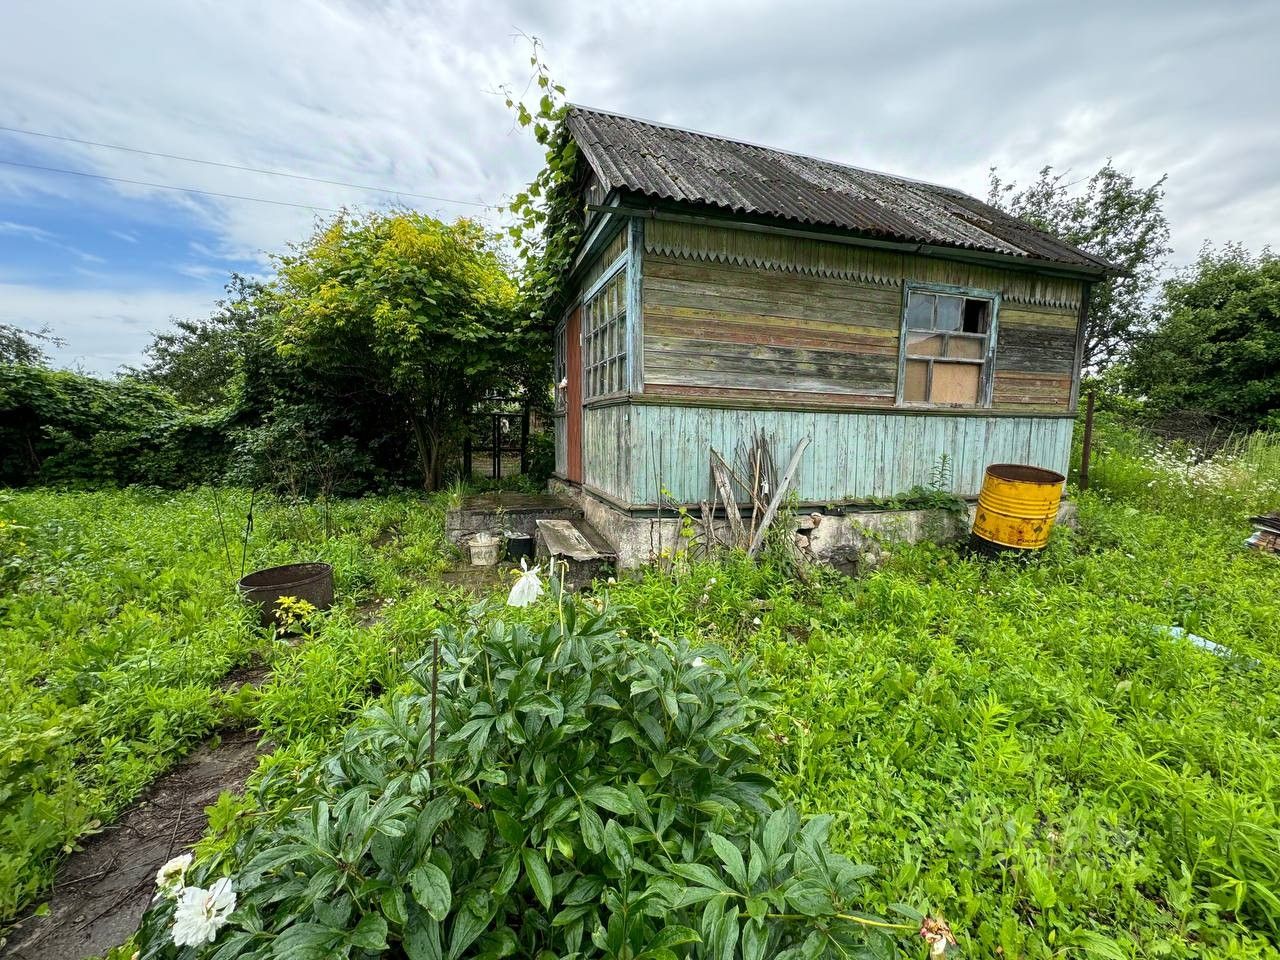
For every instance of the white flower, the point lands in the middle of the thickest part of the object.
(527, 589)
(697, 661)
(170, 877)
(755, 621)
(201, 913)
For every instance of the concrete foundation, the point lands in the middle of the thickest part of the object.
(499, 512)
(851, 541)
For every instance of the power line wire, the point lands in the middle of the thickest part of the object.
(168, 186)
(236, 166)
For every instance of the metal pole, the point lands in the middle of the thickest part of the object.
(497, 446)
(524, 439)
(1087, 446)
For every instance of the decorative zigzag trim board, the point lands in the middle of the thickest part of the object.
(844, 262)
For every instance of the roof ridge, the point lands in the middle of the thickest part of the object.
(583, 108)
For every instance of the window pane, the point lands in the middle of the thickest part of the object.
(913, 388)
(949, 313)
(955, 383)
(920, 310)
(924, 345)
(976, 315)
(970, 348)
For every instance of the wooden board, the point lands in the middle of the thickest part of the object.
(855, 455)
(784, 317)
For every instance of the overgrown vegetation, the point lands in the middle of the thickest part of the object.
(591, 793)
(1022, 749)
(1026, 749)
(1215, 346)
(118, 619)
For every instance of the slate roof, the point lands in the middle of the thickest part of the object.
(669, 163)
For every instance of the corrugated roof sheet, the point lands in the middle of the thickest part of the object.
(673, 164)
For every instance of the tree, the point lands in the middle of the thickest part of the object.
(25, 346)
(1113, 218)
(198, 358)
(414, 315)
(1215, 346)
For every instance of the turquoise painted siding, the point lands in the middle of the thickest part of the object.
(606, 463)
(853, 455)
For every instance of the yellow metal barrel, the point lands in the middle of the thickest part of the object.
(1017, 506)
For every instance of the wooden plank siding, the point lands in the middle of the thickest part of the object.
(607, 452)
(738, 315)
(854, 455)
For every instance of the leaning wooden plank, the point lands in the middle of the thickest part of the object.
(783, 486)
(720, 471)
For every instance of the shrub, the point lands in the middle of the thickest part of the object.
(591, 794)
(64, 427)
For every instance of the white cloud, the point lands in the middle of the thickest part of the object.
(402, 93)
(104, 328)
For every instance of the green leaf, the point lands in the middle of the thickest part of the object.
(776, 831)
(755, 939)
(431, 889)
(617, 846)
(509, 828)
(421, 940)
(610, 798)
(535, 866)
(673, 935)
(370, 933)
(701, 874)
(592, 829)
(730, 856)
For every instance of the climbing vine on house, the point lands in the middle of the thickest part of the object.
(549, 218)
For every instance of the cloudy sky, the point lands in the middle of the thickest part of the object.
(402, 95)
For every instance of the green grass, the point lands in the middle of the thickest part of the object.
(1021, 748)
(118, 618)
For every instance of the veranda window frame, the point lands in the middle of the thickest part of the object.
(986, 362)
(611, 337)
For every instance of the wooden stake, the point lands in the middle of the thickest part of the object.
(1086, 451)
(783, 485)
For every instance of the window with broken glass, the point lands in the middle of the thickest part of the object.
(947, 347)
(604, 339)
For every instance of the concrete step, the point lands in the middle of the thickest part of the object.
(498, 512)
(579, 552)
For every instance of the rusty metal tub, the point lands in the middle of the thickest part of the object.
(312, 582)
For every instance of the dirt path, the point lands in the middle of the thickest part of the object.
(103, 889)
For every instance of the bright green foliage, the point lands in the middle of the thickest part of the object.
(118, 618)
(199, 359)
(405, 310)
(592, 795)
(1111, 217)
(1216, 345)
(58, 427)
(1022, 748)
(23, 346)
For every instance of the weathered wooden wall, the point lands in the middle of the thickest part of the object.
(608, 450)
(640, 449)
(748, 317)
(590, 274)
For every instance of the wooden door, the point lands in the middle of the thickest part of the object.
(573, 394)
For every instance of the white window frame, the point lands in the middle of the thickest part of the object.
(986, 376)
